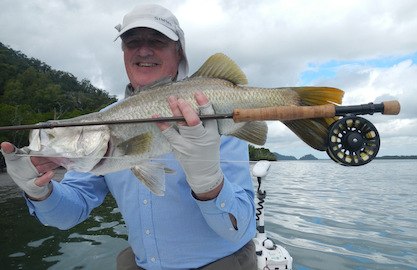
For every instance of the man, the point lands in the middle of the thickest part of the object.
(205, 220)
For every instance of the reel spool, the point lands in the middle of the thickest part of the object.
(353, 141)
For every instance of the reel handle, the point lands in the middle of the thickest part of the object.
(288, 113)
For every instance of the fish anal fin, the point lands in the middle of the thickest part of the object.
(136, 145)
(221, 67)
(314, 132)
(152, 176)
(253, 132)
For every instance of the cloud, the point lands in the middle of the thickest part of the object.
(366, 48)
(364, 84)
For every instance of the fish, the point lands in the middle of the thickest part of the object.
(103, 149)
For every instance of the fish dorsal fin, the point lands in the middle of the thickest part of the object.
(222, 67)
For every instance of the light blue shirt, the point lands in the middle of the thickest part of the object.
(174, 231)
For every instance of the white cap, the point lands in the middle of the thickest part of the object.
(161, 20)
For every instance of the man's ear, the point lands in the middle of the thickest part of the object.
(180, 53)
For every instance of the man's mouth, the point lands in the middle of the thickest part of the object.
(146, 64)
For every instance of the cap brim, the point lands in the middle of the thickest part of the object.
(149, 24)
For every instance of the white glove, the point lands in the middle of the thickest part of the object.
(197, 149)
(22, 171)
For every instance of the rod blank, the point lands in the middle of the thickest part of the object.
(282, 113)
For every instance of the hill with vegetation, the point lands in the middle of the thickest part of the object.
(308, 157)
(31, 92)
(283, 157)
(256, 154)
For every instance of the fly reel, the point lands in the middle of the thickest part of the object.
(353, 141)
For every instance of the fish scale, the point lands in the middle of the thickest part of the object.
(130, 146)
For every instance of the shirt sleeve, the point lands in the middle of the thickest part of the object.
(71, 200)
(236, 197)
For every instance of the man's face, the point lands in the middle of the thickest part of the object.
(149, 55)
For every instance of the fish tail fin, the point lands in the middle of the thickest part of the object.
(152, 175)
(315, 132)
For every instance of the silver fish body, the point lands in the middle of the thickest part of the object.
(105, 149)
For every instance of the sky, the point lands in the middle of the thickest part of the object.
(366, 48)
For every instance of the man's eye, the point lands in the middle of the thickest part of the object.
(152, 42)
(158, 42)
(132, 43)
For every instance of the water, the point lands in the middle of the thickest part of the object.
(327, 216)
(27, 244)
(334, 217)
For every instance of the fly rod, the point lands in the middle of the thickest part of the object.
(282, 113)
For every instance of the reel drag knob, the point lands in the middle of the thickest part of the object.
(353, 141)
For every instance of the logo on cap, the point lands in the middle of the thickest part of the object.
(163, 20)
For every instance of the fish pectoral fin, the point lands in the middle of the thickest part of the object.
(221, 67)
(169, 170)
(35, 140)
(136, 145)
(253, 132)
(152, 175)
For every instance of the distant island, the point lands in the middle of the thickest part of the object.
(256, 154)
(312, 157)
(283, 157)
(397, 157)
(305, 157)
(308, 157)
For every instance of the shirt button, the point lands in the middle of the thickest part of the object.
(148, 232)
(231, 229)
(222, 205)
(153, 259)
(145, 201)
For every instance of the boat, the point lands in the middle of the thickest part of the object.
(269, 255)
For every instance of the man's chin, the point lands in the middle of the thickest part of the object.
(145, 81)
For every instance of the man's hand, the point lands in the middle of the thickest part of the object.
(196, 146)
(31, 174)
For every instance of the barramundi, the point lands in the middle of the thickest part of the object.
(102, 149)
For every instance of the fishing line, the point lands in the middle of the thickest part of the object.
(148, 160)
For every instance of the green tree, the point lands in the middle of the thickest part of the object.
(14, 93)
(256, 154)
(31, 92)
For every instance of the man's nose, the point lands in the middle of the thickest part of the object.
(145, 49)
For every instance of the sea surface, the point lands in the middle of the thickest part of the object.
(326, 215)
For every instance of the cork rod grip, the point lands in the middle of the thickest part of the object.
(391, 107)
(283, 113)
